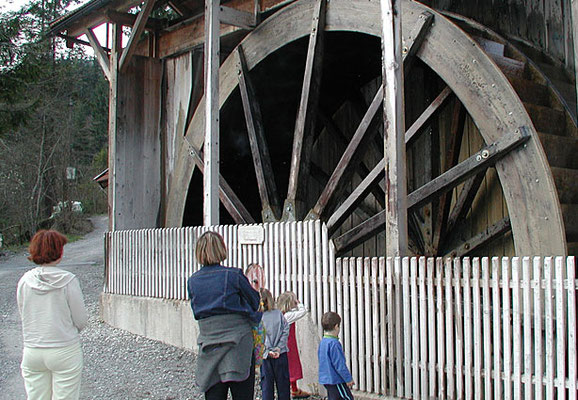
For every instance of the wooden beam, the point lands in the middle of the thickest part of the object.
(70, 41)
(359, 234)
(112, 123)
(359, 106)
(137, 31)
(393, 119)
(345, 167)
(490, 234)
(574, 11)
(227, 196)
(431, 110)
(413, 42)
(241, 19)
(355, 198)
(271, 205)
(415, 227)
(362, 170)
(257, 8)
(101, 55)
(452, 157)
(410, 47)
(465, 200)
(126, 19)
(489, 155)
(364, 210)
(211, 142)
(76, 27)
(305, 123)
(180, 8)
(198, 88)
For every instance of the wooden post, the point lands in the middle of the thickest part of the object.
(574, 10)
(211, 159)
(112, 114)
(394, 130)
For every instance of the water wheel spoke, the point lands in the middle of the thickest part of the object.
(362, 169)
(356, 197)
(453, 154)
(305, 123)
(271, 205)
(321, 177)
(489, 155)
(465, 200)
(415, 40)
(415, 228)
(359, 234)
(488, 235)
(345, 167)
(430, 111)
(228, 198)
(360, 106)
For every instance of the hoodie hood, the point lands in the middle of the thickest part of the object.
(46, 279)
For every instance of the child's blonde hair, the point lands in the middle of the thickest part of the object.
(267, 302)
(286, 301)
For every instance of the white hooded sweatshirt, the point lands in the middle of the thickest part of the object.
(51, 306)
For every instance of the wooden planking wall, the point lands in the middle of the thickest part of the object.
(138, 148)
(545, 23)
(177, 89)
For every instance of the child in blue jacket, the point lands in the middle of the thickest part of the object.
(333, 371)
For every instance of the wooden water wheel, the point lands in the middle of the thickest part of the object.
(301, 137)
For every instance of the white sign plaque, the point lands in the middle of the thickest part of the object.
(251, 235)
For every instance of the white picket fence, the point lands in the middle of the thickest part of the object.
(416, 328)
(157, 262)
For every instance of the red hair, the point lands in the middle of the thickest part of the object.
(46, 246)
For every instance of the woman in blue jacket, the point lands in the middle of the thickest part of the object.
(226, 308)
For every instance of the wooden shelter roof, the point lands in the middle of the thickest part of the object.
(176, 33)
(96, 12)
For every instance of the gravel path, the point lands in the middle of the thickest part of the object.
(118, 365)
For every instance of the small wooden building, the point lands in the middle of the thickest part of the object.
(490, 118)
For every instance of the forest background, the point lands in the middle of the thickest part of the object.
(53, 125)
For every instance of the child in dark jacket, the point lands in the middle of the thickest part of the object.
(333, 371)
(275, 367)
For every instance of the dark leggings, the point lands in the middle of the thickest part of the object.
(338, 392)
(275, 372)
(244, 390)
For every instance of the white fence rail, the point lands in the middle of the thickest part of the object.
(413, 327)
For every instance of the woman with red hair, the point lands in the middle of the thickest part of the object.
(52, 310)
